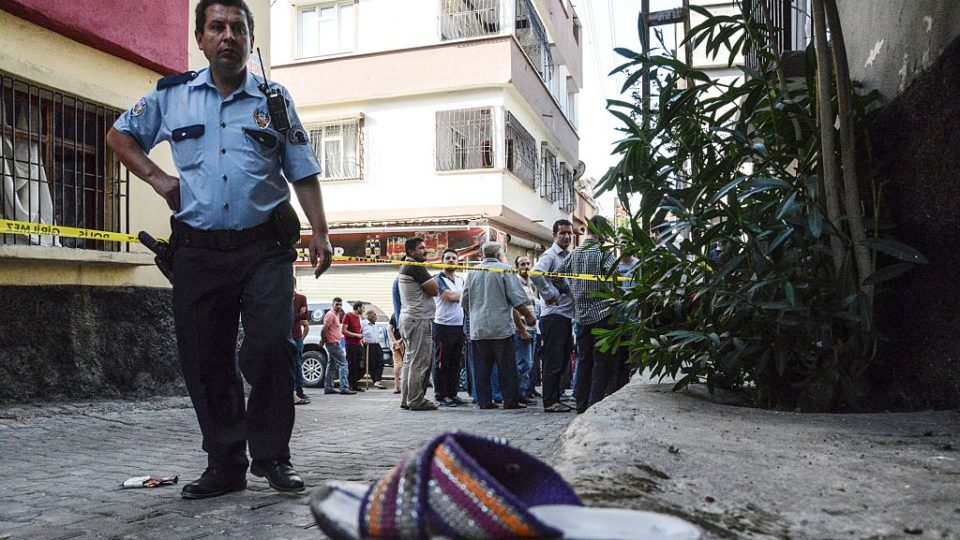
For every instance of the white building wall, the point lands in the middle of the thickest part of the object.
(380, 25)
(389, 24)
(399, 157)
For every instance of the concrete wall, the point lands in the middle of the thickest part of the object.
(909, 50)
(77, 342)
(140, 32)
(894, 41)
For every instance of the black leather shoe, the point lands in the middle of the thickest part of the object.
(215, 482)
(280, 475)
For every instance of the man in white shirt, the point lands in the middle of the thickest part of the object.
(448, 334)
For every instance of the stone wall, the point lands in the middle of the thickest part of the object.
(918, 143)
(75, 342)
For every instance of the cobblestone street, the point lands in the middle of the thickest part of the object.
(62, 465)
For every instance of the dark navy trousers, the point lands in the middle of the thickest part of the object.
(214, 289)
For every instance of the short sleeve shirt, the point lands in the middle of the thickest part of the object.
(332, 332)
(352, 321)
(489, 298)
(415, 303)
(233, 165)
(448, 313)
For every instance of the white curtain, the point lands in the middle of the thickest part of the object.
(26, 193)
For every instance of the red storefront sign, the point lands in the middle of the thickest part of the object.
(389, 244)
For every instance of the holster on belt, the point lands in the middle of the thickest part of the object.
(287, 224)
(163, 251)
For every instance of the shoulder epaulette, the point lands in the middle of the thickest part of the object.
(174, 80)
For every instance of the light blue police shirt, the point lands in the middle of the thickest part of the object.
(233, 165)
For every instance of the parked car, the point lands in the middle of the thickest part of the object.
(315, 356)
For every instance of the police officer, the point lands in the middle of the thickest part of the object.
(232, 247)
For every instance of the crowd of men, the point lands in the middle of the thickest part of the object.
(500, 331)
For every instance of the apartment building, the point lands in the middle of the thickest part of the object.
(453, 120)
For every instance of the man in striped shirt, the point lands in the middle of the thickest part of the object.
(594, 367)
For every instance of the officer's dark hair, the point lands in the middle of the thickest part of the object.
(337, 299)
(200, 15)
(411, 244)
(357, 306)
(561, 223)
(449, 250)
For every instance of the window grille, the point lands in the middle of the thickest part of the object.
(521, 152)
(339, 147)
(465, 139)
(550, 176)
(469, 18)
(532, 36)
(564, 189)
(56, 167)
(790, 21)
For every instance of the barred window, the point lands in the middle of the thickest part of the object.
(532, 36)
(465, 139)
(550, 177)
(521, 152)
(339, 147)
(56, 166)
(469, 18)
(564, 189)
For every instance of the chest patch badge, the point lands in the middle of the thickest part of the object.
(261, 117)
(139, 107)
(297, 135)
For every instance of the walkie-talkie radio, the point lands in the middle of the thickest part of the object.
(276, 103)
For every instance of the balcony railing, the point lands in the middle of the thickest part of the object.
(461, 19)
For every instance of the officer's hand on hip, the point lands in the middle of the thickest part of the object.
(321, 253)
(169, 188)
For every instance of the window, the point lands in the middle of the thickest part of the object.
(465, 139)
(564, 189)
(532, 37)
(339, 147)
(469, 18)
(55, 165)
(521, 152)
(550, 177)
(326, 29)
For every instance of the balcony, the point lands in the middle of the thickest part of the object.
(495, 62)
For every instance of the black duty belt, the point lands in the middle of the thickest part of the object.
(186, 236)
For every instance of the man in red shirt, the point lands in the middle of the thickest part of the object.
(353, 338)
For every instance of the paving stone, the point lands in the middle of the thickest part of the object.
(78, 454)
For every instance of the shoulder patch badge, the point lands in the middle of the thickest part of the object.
(139, 107)
(297, 135)
(261, 117)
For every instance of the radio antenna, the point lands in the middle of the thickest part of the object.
(263, 72)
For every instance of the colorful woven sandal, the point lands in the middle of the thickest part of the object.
(461, 486)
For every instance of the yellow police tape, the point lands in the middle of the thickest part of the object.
(8, 226)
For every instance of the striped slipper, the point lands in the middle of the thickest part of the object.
(462, 486)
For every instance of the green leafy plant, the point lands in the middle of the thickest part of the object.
(750, 276)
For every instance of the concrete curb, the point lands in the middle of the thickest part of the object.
(739, 472)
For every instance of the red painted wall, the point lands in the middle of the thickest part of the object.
(152, 34)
